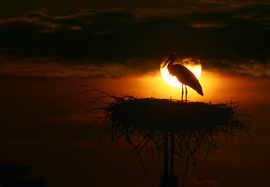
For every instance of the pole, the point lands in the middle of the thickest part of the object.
(166, 156)
(165, 177)
(172, 154)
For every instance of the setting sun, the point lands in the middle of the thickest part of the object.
(193, 65)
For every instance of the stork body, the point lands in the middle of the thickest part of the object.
(183, 75)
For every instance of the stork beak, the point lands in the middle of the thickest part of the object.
(166, 62)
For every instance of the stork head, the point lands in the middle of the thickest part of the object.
(172, 58)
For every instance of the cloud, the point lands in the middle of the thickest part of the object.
(39, 67)
(225, 36)
(239, 66)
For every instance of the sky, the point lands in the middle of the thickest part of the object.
(50, 49)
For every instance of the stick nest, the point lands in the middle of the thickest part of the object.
(143, 122)
(162, 115)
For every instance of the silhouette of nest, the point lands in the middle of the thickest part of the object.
(149, 114)
(143, 122)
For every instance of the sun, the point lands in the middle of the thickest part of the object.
(194, 65)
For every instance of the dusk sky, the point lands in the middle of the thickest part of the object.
(50, 48)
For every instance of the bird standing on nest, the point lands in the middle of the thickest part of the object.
(183, 75)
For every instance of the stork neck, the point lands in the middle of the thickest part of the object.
(171, 63)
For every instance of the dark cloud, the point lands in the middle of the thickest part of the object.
(222, 37)
(11, 8)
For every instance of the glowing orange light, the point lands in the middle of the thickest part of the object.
(194, 66)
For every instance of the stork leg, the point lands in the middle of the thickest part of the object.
(182, 92)
(186, 92)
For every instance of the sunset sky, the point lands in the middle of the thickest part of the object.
(50, 48)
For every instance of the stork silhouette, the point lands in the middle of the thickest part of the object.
(183, 75)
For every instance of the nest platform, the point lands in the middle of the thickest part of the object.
(149, 114)
(144, 122)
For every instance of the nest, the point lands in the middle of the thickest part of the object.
(149, 114)
(143, 122)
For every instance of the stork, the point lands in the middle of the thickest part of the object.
(183, 75)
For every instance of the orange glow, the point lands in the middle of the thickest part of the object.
(207, 25)
(195, 68)
(216, 87)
